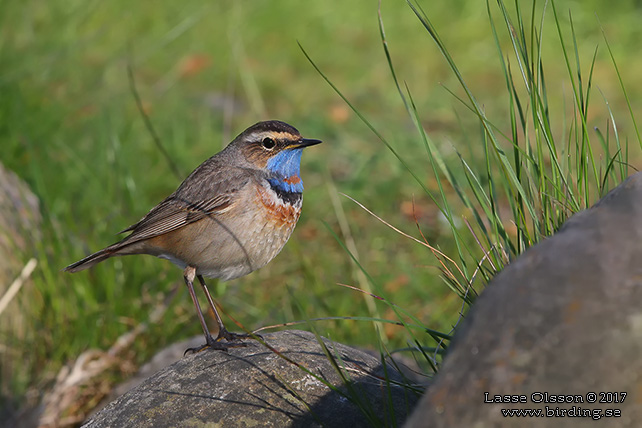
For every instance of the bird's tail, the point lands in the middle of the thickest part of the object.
(91, 260)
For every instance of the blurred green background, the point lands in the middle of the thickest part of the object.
(70, 128)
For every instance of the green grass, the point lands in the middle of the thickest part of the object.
(511, 151)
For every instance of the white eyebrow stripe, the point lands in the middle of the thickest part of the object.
(276, 135)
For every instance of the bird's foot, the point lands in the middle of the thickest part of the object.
(235, 337)
(215, 345)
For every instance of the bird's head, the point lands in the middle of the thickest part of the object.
(275, 147)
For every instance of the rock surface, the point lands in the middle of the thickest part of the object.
(162, 359)
(564, 318)
(255, 386)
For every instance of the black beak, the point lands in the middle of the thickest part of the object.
(306, 142)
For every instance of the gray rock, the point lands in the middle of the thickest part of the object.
(20, 238)
(564, 318)
(256, 386)
(20, 222)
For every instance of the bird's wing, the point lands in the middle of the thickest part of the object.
(173, 214)
(201, 195)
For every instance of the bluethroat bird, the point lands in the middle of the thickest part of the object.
(231, 215)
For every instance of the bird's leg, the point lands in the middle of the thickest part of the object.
(222, 331)
(221, 328)
(210, 342)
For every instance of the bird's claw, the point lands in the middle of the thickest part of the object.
(233, 337)
(232, 340)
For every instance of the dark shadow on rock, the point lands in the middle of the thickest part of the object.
(565, 318)
(255, 386)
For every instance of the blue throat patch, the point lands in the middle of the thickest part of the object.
(285, 171)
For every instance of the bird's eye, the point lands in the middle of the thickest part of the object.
(268, 143)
